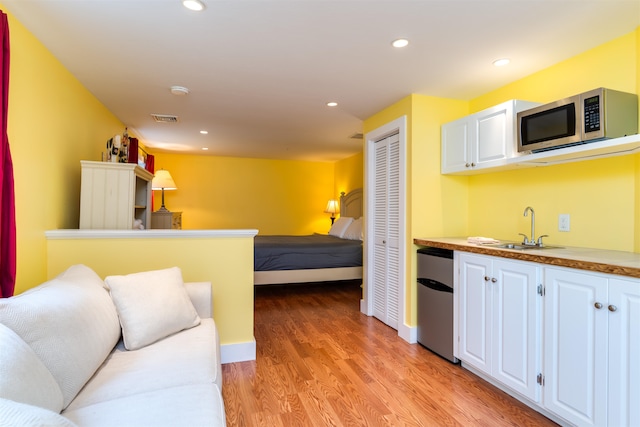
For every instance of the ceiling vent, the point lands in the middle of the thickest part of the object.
(165, 118)
(357, 136)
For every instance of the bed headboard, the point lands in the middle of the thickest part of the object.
(351, 204)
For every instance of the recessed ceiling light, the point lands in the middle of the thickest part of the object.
(501, 62)
(400, 43)
(196, 5)
(204, 132)
(179, 90)
(332, 104)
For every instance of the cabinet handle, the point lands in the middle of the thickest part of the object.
(494, 280)
(473, 165)
(612, 307)
(467, 165)
(486, 278)
(598, 305)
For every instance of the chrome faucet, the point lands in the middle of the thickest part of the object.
(532, 241)
(533, 227)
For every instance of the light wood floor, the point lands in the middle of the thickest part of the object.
(320, 362)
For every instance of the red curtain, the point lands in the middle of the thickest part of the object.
(7, 195)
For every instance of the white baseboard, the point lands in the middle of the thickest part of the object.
(363, 308)
(238, 352)
(408, 333)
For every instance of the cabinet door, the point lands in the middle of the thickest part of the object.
(456, 155)
(575, 343)
(492, 134)
(475, 311)
(624, 352)
(516, 327)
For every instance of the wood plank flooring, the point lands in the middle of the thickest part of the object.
(320, 362)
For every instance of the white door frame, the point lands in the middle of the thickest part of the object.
(398, 126)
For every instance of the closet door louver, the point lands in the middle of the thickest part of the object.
(386, 257)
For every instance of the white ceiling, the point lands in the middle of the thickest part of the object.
(260, 72)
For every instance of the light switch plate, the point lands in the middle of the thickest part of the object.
(564, 222)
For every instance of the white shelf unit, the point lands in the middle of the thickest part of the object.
(592, 150)
(113, 195)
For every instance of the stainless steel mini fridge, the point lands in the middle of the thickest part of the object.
(435, 301)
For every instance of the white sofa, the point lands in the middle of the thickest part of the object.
(136, 350)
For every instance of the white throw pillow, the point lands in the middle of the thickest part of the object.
(69, 322)
(354, 231)
(340, 226)
(23, 415)
(151, 305)
(23, 377)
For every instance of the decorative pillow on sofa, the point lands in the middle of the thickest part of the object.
(23, 415)
(69, 322)
(340, 226)
(354, 231)
(23, 377)
(151, 305)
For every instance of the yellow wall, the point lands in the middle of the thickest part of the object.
(53, 123)
(349, 174)
(611, 65)
(600, 195)
(274, 196)
(436, 204)
(227, 262)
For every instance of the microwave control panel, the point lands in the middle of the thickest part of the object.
(592, 114)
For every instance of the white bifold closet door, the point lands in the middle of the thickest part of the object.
(386, 216)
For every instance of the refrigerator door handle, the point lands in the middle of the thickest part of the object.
(435, 285)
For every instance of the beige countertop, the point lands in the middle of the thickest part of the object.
(603, 261)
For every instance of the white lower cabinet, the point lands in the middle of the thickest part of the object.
(570, 346)
(624, 353)
(499, 320)
(592, 348)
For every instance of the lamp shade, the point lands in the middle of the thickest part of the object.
(163, 181)
(332, 207)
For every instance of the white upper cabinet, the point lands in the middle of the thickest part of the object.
(482, 140)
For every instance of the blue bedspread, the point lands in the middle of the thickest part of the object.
(305, 252)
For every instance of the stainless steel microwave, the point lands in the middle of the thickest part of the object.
(590, 116)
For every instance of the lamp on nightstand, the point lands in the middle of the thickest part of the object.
(333, 208)
(163, 181)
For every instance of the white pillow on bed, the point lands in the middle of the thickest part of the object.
(340, 226)
(354, 231)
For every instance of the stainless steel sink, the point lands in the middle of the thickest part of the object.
(518, 246)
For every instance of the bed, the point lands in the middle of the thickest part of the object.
(314, 258)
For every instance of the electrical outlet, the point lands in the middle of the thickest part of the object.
(564, 222)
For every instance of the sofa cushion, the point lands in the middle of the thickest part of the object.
(191, 405)
(70, 322)
(23, 377)
(188, 357)
(151, 305)
(23, 415)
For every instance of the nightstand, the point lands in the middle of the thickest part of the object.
(166, 220)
